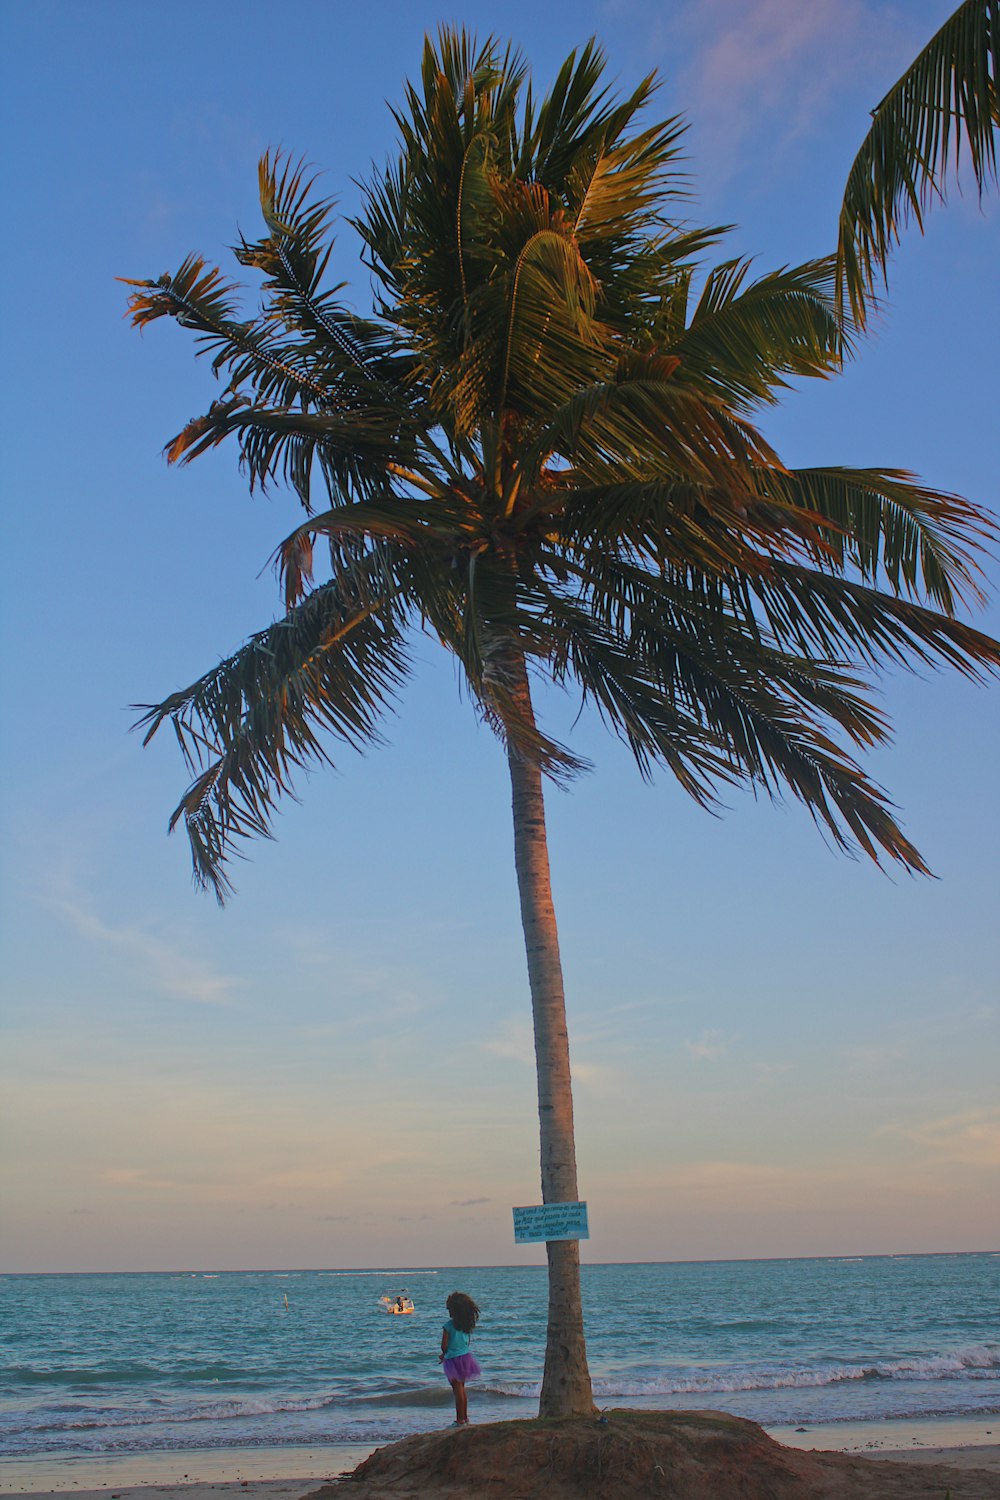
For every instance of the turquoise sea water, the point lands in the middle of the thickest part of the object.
(137, 1363)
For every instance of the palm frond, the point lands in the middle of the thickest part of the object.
(199, 299)
(672, 522)
(744, 341)
(648, 423)
(382, 226)
(331, 666)
(475, 211)
(944, 103)
(574, 114)
(830, 616)
(618, 192)
(355, 449)
(433, 527)
(922, 542)
(550, 323)
(294, 256)
(628, 692)
(716, 704)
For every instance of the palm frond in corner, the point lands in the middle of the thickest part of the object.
(944, 108)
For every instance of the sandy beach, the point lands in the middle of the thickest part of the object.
(269, 1473)
(969, 1447)
(979, 1462)
(911, 1438)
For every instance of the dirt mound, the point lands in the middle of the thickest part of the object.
(635, 1455)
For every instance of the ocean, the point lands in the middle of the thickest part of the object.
(117, 1364)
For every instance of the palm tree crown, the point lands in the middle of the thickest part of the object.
(540, 446)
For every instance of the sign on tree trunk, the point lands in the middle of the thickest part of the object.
(550, 1221)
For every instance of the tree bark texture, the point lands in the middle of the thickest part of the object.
(566, 1389)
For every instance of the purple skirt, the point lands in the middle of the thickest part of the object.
(464, 1367)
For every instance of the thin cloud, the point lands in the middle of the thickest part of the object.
(733, 1185)
(709, 1047)
(598, 1077)
(368, 995)
(163, 965)
(869, 1057)
(468, 1202)
(140, 1179)
(765, 1070)
(768, 71)
(514, 1042)
(971, 1139)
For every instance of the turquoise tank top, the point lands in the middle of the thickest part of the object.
(458, 1342)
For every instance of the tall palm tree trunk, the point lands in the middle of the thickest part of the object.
(566, 1387)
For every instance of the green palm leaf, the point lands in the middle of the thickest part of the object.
(829, 615)
(744, 341)
(715, 705)
(945, 102)
(200, 300)
(330, 667)
(922, 541)
(356, 450)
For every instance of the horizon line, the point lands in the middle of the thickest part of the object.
(724, 1260)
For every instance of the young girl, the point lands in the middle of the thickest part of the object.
(457, 1363)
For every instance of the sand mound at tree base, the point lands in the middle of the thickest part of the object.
(636, 1455)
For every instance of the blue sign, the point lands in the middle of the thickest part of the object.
(550, 1221)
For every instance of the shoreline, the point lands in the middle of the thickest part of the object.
(287, 1473)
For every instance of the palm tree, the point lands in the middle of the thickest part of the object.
(539, 450)
(948, 98)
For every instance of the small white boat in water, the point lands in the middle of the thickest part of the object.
(396, 1304)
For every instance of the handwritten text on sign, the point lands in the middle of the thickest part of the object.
(550, 1221)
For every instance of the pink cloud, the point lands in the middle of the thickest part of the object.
(768, 72)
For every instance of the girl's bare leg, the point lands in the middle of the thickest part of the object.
(461, 1401)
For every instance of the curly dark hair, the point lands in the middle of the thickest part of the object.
(463, 1311)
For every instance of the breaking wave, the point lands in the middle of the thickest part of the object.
(975, 1362)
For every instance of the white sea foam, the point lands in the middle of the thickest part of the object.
(210, 1411)
(399, 1275)
(954, 1365)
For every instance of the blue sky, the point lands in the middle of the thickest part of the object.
(777, 1051)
